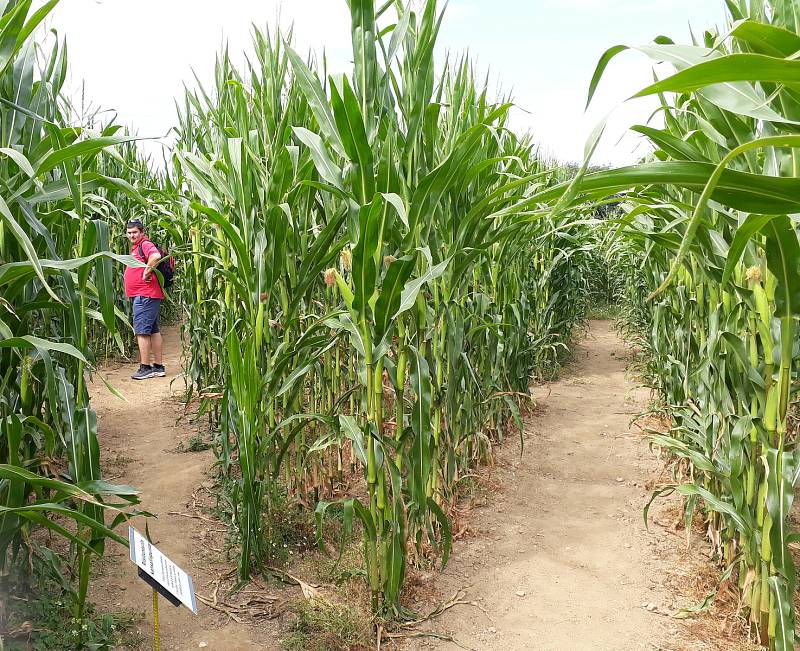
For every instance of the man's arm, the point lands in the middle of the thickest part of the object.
(152, 262)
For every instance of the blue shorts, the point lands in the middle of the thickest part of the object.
(145, 315)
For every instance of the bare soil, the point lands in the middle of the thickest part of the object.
(561, 559)
(557, 557)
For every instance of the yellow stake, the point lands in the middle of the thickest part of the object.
(156, 636)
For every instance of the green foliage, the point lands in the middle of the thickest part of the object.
(288, 527)
(323, 625)
(42, 619)
(710, 252)
(365, 294)
(56, 270)
(196, 444)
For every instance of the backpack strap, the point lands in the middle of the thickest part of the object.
(141, 249)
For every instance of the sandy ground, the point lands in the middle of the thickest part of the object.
(557, 559)
(562, 560)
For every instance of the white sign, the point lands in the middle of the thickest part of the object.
(173, 579)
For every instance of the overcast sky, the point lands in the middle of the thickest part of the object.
(134, 56)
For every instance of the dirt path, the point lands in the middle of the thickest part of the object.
(139, 446)
(557, 560)
(561, 560)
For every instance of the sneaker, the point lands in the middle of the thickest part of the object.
(145, 371)
(159, 370)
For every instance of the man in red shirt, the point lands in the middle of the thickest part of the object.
(142, 285)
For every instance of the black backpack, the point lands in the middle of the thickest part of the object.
(166, 265)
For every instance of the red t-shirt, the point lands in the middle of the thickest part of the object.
(134, 284)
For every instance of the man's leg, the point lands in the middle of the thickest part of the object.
(144, 342)
(156, 341)
(143, 319)
(155, 344)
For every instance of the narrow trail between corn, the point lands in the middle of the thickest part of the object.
(560, 560)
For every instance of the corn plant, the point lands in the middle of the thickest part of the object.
(55, 277)
(402, 364)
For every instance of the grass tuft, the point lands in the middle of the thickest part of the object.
(43, 621)
(323, 625)
(196, 444)
(603, 312)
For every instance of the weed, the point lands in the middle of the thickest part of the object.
(196, 444)
(323, 625)
(288, 529)
(42, 620)
(604, 311)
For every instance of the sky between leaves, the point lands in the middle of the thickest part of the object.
(134, 56)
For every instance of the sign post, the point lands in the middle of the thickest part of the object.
(161, 574)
